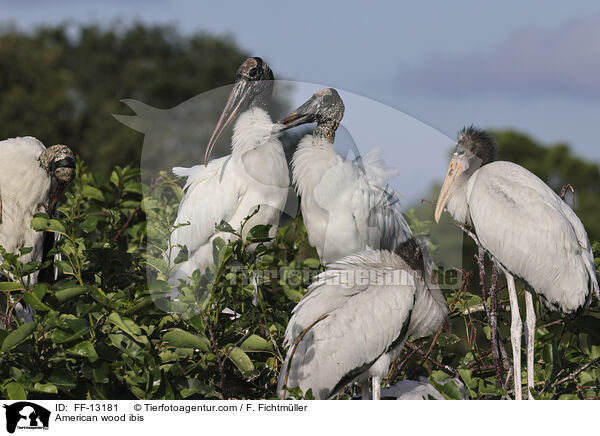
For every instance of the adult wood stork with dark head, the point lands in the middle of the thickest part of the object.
(230, 188)
(355, 318)
(32, 178)
(528, 229)
(346, 205)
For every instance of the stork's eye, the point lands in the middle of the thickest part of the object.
(253, 72)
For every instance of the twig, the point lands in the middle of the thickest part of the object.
(480, 308)
(127, 222)
(575, 373)
(395, 369)
(428, 352)
(499, 361)
(153, 186)
(220, 359)
(563, 192)
(446, 368)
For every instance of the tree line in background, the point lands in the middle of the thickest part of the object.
(98, 332)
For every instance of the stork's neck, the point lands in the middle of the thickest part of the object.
(326, 130)
(252, 128)
(457, 203)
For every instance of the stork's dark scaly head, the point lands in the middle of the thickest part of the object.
(59, 163)
(474, 148)
(253, 86)
(325, 108)
(479, 142)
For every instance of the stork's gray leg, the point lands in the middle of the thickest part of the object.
(364, 390)
(377, 388)
(516, 328)
(530, 341)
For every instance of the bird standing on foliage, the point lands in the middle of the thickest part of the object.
(350, 214)
(528, 229)
(32, 178)
(346, 205)
(355, 318)
(230, 188)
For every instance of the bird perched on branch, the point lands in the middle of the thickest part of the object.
(346, 205)
(230, 188)
(355, 318)
(32, 178)
(531, 233)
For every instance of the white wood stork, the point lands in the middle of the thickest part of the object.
(530, 232)
(355, 318)
(32, 177)
(346, 205)
(230, 188)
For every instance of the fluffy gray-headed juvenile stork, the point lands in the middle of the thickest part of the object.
(355, 318)
(32, 178)
(346, 204)
(530, 231)
(230, 188)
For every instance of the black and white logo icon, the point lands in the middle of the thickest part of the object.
(26, 415)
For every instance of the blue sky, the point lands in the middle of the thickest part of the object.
(531, 65)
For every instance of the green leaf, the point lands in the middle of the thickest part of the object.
(241, 360)
(183, 339)
(15, 391)
(62, 378)
(11, 286)
(467, 376)
(90, 223)
(125, 324)
(160, 286)
(83, 349)
(69, 293)
(42, 223)
(45, 388)
(92, 193)
(224, 226)
(312, 263)
(451, 391)
(17, 336)
(256, 343)
(34, 301)
(259, 233)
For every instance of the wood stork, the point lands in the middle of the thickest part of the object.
(32, 178)
(355, 318)
(346, 205)
(530, 232)
(230, 188)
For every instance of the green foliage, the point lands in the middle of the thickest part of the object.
(100, 331)
(112, 327)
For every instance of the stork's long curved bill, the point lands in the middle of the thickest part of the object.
(238, 95)
(454, 170)
(302, 115)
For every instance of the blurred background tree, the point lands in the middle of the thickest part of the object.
(61, 84)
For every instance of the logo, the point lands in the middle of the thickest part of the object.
(26, 415)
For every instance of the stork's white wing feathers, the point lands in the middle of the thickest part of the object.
(363, 323)
(375, 169)
(527, 228)
(204, 186)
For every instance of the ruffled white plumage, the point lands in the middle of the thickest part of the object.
(346, 205)
(230, 189)
(355, 319)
